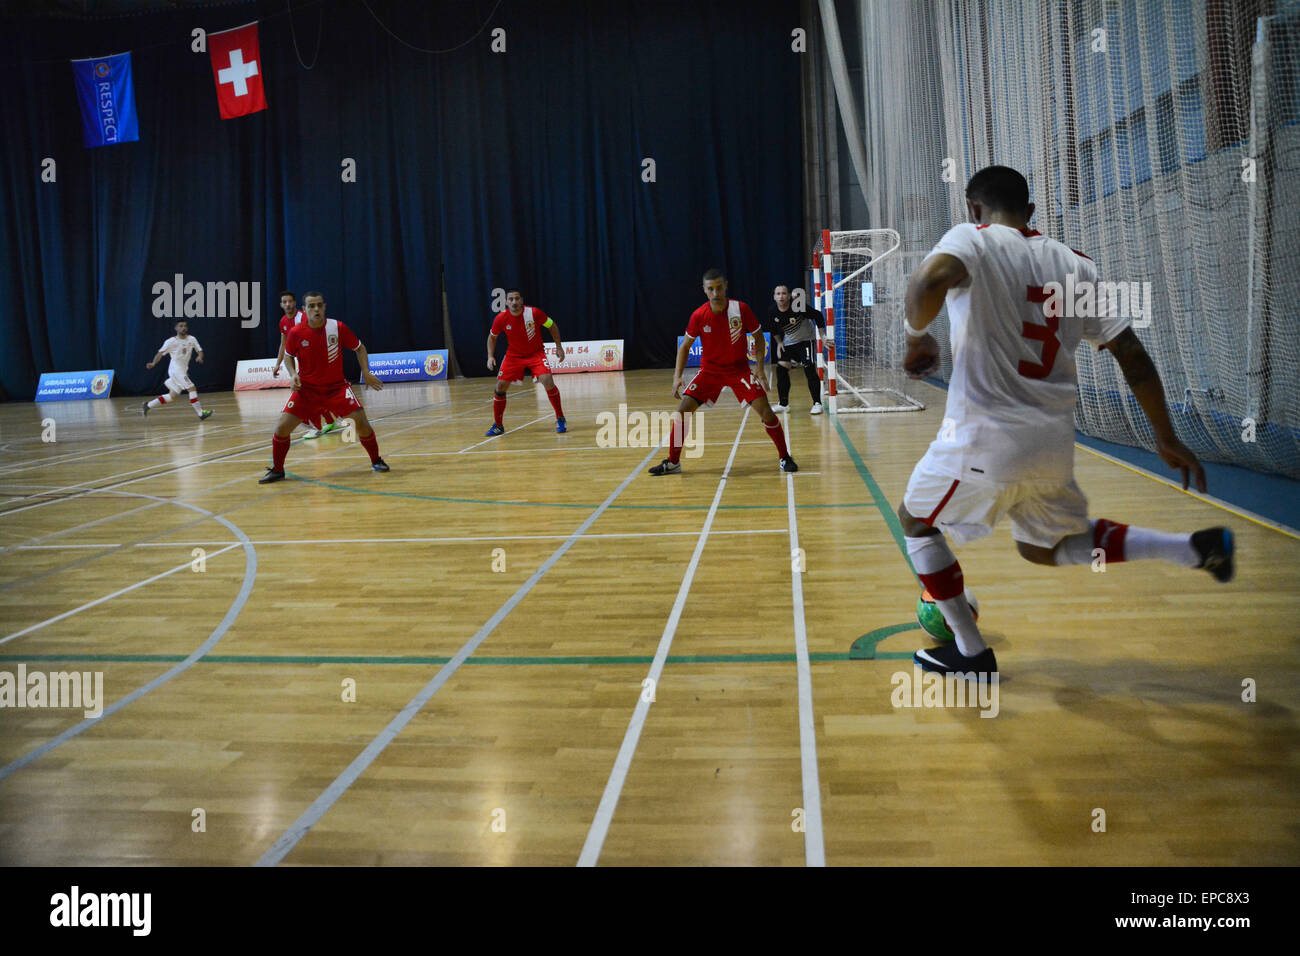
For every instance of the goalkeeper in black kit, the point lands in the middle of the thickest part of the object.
(794, 341)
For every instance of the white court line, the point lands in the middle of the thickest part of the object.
(199, 460)
(814, 847)
(113, 517)
(290, 838)
(205, 490)
(559, 446)
(72, 457)
(486, 537)
(232, 613)
(503, 434)
(623, 762)
(82, 488)
(109, 597)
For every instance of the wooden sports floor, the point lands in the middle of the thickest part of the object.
(496, 608)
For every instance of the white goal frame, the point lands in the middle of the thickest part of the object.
(824, 287)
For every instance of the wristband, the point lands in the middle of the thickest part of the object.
(911, 332)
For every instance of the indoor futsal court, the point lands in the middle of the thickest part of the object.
(1000, 247)
(601, 568)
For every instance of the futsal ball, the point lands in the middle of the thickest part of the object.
(931, 619)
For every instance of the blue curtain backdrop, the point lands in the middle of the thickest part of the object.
(522, 167)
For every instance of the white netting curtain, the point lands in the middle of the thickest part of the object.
(1161, 138)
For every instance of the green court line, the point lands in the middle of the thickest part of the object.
(864, 648)
(563, 504)
(877, 496)
(425, 661)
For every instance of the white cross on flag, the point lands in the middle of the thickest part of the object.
(237, 69)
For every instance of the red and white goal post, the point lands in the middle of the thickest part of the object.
(859, 284)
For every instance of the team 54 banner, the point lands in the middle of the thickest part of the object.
(107, 99)
(605, 355)
(71, 386)
(693, 356)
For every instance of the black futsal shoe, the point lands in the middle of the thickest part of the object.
(947, 659)
(1217, 551)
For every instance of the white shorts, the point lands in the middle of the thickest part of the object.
(1041, 512)
(179, 383)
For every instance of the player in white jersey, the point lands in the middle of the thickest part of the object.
(180, 347)
(1006, 447)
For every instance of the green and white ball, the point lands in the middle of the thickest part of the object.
(931, 618)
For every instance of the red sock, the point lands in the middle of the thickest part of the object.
(677, 437)
(371, 445)
(777, 434)
(945, 584)
(498, 407)
(279, 448)
(1109, 536)
(553, 394)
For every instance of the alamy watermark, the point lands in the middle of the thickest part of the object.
(917, 688)
(130, 910)
(82, 689)
(179, 299)
(646, 430)
(1084, 299)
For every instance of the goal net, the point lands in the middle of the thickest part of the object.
(859, 282)
(1160, 138)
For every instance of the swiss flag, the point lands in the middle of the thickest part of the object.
(237, 70)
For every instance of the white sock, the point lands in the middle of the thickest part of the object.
(1145, 544)
(1140, 544)
(932, 557)
(1074, 549)
(194, 403)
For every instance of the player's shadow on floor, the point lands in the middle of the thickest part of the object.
(1134, 711)
(1118, 696)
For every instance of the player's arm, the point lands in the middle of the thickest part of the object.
(551, 324)
(492, 347)
(292, 368)
(1142, 377)
(160, 354)
(366, 376)
(683, 351)
(279, 357)
(198, 356)
(760, 346)
(926, 290)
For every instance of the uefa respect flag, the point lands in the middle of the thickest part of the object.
(237, 70)
(107, 99)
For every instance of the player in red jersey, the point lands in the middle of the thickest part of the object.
(319, 385)
(721, 325)
(293, 316)
(524, 353)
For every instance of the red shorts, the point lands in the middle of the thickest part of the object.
(707, 386)
(513, 367)
(309, 403)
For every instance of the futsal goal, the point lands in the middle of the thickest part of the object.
(859, 282)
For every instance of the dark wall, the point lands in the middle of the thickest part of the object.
(516, 167)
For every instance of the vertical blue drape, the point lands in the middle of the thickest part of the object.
(522, 167)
